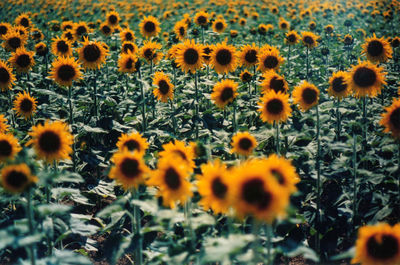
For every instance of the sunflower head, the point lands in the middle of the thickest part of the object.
(283, 24)
(128, 46)
(106, 29)
(4, 28)
(274, 107)
(25, 105)
(329, 29)
(219, 25)
(9, 147)
(133, 142)
(348, 39)
(92, 54)
(292, 37)
(181, 150)
(17, 178)
(112, 19)
(269, 59)
(22, 60)
(243, 143)
(3, 124)
(129, 169)
(223, 58)
(224, 92)
(127, 62)
(65, 70)
(189, 56)
(248, 55)
(13, 40)
(309, 39)
(149, 27)
(246, 76)
(80, 30)
(274, 81)
(150, 51)
(180, 29)
(23, 20)
(306, 95)
(366, 79)
(164, 89)
(7, 77)
(127, 35)
(213, 186)
(51, 141)
(61, 47)
(391, 119)
(338, 86)
(395, 42)
(378, 50)
(378, 244)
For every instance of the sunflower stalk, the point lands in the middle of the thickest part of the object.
(95, 94)
(307, 63)
(137, 228)
(143, 103)
(354, 177)
(71, 122)
(29, 212)
(256, 243)
(338, 120)
(318, 168)
(364, 126)
(269, 232)
(288, 59)
(277, 137)
(189, 227)
(234, 117)
(11, 106)
(173, 116)
(196, 116)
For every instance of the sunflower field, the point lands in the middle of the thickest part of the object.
(200, 132)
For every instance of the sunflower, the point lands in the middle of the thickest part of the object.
(129, 169)
(7, 77)
(128, 46)
(9, 146)
(51, 141)
(338, 86)
(150, 51)
(224, 92)
(80, 30)
(274, 107)
(3, 124)
(17, 178)
(219, 25)
(189, 56)
(283, 170)
(133, 142)
(201, 18)
(246, 76)
(366, 79)
(395, 42)
(269, 59)
(23, 20)
(283, 24)
(207, 49)
(306, 95)
(309, 39)
(127, 63)
(171, 177)
(180, 29)
(223, 58)
(292, 37)
(213, 187)
(25, 105)
(69, 35)
(181, 150)
(312, 25)
(164, 89)
(378, 245)
(348, 39)
(391, 119)
(22, 60)
(248, 55)
(257, 193)
(149, 27)
(329, 29)
(61, 47)
(378, 50)
(274, 81)
(67, 25)
(112, 19)
(92, 54)
(13, 41)
(127, 35)
(106, 29)
(37, 35)
(23, 32)
(4, 29)
(243, 143)
(65, 70)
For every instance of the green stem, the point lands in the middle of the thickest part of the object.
(256, 243)
(196, 106)
(318, 168)
(364, 126)
(338, 120)
(11, 107)
(269, 233)
(143, 102)
(173, 115)
(71, 122)
(277, 137)
(95, 94)
(307, 63)
(136, 212)
(234, 117)
(354, 177)
(188, 219)
(29, 212)
(288, 59)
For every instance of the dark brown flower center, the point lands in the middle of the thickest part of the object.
(128, 47)
(375, 48)
(16, 179)
(395, 118)
(132, 145)
(253, 193)
(128, 36)
(395, 42)
(106, 29)
(163, 87)
(277, 84)
(14, 42)
(113, 19)
(62, 46)
(219, 26)
(24, 22)
(245, 144)
(364, 77)
(274, 106)
(270, 62)
(227, 94)
(251, 56)
(201, 20)
(23, 60)
(338, 85)
(49, 142)
(291, 38)
(149, 26)
(130, 168)
(4, 75)
(172, 179)
(308, 40)
(386, 249)
(129, 64)
(246, 77)
(224, 57)
(91, 52)
(191, 56)
(309, 95)
(148, 53)
(3, 30)
(81, 30)
(182, 31)
(283, 25)
(69, 35)
(5, 148)
(218, 188)
(26, 105)
(66, 72)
